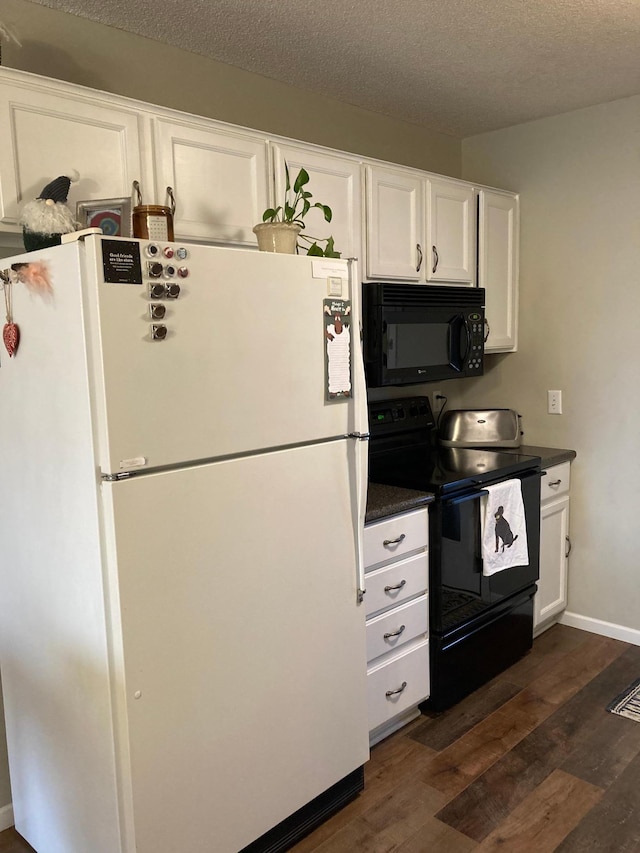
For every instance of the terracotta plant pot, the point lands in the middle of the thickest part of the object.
(277, 237)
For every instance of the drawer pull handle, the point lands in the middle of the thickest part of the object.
(397, 633)
(554, 482)
(396, 586)
(387, 542)
(391, 693)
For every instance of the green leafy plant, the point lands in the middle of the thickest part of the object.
(294, 211)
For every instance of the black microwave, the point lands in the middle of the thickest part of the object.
(416, 333)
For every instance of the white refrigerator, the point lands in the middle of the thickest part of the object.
(182, 639)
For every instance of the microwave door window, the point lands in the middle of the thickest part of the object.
(413, 345)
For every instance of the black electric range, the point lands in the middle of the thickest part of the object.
(479, 623)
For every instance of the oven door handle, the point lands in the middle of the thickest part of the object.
(472, 497)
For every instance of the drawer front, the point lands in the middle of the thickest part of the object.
(397, 627)
(396, 536)
(397, 685)
(396, 583)
(556, 481)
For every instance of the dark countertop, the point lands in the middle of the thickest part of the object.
(383, 501)
(549, 455)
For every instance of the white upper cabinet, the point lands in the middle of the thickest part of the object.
(334, 180)
(450, 242)
(406, 224)
(498, 230)
(47, 133)
(219, 179)
(418, 228)
(395, 224)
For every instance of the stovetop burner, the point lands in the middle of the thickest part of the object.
(404, 452)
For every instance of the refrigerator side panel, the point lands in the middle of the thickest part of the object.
(244, 646)
(53, 641)
(242, 366)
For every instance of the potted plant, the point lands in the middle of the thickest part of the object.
(282, 227)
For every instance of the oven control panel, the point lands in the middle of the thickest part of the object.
(392, 416)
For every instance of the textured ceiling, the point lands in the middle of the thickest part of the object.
(458, 66)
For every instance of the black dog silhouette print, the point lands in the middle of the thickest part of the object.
(503, 530)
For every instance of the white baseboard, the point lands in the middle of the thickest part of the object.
(598, 626)
(6, 817)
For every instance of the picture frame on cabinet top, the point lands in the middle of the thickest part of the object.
(111, 215)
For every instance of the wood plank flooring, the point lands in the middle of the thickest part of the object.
(530, 763)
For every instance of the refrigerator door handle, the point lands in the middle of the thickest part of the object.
(360, 411)
(361, 478)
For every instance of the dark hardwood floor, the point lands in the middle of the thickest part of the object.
(530, 763)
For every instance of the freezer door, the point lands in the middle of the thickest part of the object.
(242, 365)
(243, 646)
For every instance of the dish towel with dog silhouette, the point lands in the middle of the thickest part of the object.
(504, 528)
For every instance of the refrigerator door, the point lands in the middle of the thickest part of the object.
(243, 363)
(242, 645)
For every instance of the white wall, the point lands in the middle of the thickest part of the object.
(67, 47)
(579, 179)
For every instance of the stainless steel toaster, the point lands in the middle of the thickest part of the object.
(480, 428)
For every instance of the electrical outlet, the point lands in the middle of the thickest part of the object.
(554, 402)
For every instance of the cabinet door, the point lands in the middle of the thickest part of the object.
(551, 598)
(220, 180)
(395, 224)
(47, 134)
(334, 181)
(498, 267)
(451, 232)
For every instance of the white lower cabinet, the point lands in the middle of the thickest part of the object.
(555, 545)
(397, 610)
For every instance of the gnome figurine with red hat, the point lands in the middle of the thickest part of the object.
(46, 218)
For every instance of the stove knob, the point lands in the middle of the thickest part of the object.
(183, 272)
(172, 290)
(155, 269)
(157, 290)
(157, 311)
(158, 332)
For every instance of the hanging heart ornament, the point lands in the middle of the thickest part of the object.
(11, 337)
(10, 331)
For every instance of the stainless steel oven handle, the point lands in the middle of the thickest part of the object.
(387, 542)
